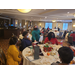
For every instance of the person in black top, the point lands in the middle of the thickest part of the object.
(25, 41)
(66, 55)
(65, 32)
(58, 29)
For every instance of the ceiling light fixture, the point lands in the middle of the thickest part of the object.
(45, 17)
(24, 10)
(53, 20)
(73, 25)
(68, 12)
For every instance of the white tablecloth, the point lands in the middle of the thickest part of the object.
(56, 34)
(44, 60)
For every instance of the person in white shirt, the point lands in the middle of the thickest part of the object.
(40, 28)
(66, 37)
(29, 35)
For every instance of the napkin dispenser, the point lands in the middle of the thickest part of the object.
(36, 52)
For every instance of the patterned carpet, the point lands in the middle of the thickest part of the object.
(4, 44)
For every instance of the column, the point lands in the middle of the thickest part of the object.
(23, 23)
(73, 24)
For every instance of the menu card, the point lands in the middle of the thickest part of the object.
(36, 52)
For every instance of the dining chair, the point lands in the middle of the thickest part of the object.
(60, 35)
(70, 40)
(2, 58)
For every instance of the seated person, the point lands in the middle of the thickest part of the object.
(30, 36)
(65, 55)
(70, 32)
(25, 41)
(73, 35)
(51, 38)
(13, 53)
(66, 37)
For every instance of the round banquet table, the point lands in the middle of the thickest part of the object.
(44, 60)
(56, 34)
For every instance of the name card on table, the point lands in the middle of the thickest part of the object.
(36, 52)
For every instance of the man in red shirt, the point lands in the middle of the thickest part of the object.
(73, 35)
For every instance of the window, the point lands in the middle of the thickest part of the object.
(65, 26)
(48, 25)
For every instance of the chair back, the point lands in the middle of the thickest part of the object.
(70, 39)
(60, 34)
(3, 59)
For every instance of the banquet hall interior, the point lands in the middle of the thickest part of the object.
(20, 22)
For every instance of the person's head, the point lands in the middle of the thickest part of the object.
(23, 30)
(25, 34)
(35, 27)
(65, 54)
(74, 32)
(46, 30)
(28, 31)
(13, 40)
(51, 35)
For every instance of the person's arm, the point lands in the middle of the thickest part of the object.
(56, 42)
(70, 34)
(23, 44)
(33, 35)
(46, 40)
(14, 54)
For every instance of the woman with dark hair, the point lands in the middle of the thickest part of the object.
(35, 34)
(25, 41)
(13, 53)
(65, 55)
(51, 38)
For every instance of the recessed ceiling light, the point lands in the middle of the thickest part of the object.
(45, 17)
(68, 12)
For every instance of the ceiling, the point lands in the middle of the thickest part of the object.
(61, 15)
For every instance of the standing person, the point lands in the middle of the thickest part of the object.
(40, 28)
(25, 41)
(73, 35)
(43, 30)
(45, 34)
(70, 32)
(51, 38)
(30, 36)
(66, 37)
(29, 29)
(58, 29)
(13, 53)
(35, 34)
(65, 32)
(48, 28)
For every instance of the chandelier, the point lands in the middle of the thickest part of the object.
(53, 20)
(24, 10)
